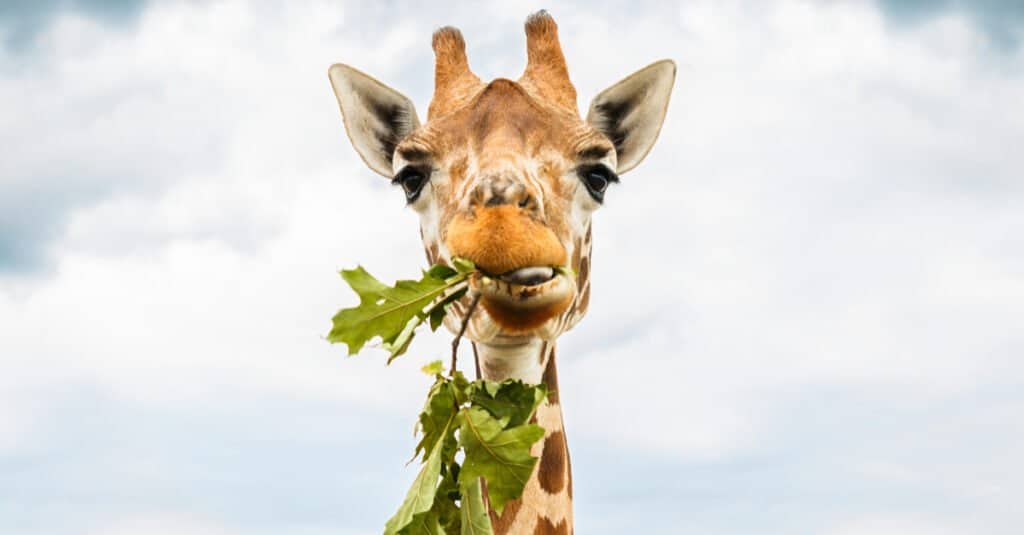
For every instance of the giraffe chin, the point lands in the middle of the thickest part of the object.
(519, 309)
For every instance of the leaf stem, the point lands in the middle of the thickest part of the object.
(476, 360)
(462, 330)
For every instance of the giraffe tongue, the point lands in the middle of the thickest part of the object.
(529, 276)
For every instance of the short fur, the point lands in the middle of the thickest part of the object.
(500, 239)
(504, 189)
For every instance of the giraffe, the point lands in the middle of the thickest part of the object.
(508, 175)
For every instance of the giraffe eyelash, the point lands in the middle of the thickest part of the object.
(412, 178)
(596, 178)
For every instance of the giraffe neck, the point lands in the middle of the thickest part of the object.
(546, 504)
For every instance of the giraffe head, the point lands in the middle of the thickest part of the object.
(507, 173)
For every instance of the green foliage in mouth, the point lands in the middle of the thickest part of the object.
(470, 431)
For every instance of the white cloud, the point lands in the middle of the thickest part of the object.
(158, 523)
(896, 525)
(800, 227)
(826, 222)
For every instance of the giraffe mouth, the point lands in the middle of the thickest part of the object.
(529, 276)
(523, 299)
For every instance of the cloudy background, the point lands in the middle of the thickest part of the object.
(808, 313)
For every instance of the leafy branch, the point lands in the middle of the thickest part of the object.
(393, 313)
(470, 431)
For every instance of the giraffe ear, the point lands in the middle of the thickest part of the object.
(631, 112)
(376, 117)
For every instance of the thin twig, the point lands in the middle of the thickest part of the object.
(462, 330)
(476, 360)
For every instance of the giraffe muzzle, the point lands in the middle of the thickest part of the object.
(503, 239)
(524, 299)
(519, 285)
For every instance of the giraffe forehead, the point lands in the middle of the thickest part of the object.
(504, 114)
(505, 123)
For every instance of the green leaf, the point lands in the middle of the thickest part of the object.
(420, 497)
(400, 344)
(490, 387)
(427, 523)
(509, 399)
(462, 387)
(447, 494)
(439, 310)
(475, 520)
(390, 313)
(441, 271)
(501, 456)
(433, 368)
(437, 317)
(365, 285)
(463, 265)
(566, 270)
(437, 418)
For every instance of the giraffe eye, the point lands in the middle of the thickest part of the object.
(596, 178)
(412, 180)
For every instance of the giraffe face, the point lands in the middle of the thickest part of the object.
(507, 174)
(510, 181)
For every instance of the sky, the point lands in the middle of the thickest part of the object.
(807, 302)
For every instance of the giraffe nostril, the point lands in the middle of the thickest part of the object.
(499, 191)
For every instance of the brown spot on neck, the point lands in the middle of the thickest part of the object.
(584, 301)
(583, 271)
(550, 378)
(552, 473)
(546, 527)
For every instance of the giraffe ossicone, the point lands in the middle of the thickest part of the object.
(508, 174)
